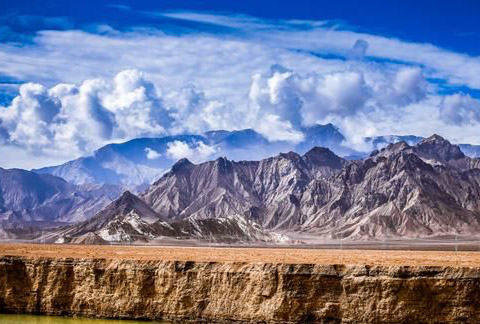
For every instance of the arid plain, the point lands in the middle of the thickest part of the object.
(249, 254)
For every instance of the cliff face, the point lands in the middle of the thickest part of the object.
(248, 292)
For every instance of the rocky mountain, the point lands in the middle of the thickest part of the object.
(379, 142)
(428, 189)
(137, 163)
(126, 219)
(267, 191)
(30, 198)
(129, 219)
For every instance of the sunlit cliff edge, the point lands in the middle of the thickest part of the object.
(239, 291)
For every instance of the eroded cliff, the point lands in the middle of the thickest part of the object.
(244, 292)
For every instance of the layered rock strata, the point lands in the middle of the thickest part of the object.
(239, 292)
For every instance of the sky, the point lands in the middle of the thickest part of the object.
(76, 75)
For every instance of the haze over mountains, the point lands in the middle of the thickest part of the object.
(137, 163)
(28, 197)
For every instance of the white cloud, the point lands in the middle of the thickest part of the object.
(460, 110)
(410, 85)
(123, 85)
(152, 154)
(70, 120)
(198, 152)
(456, 68)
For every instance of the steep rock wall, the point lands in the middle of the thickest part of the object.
(244, 292)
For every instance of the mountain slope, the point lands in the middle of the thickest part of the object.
(129, 219)
(428, 189)
(265, 191)
(126, 219)
(402, 191)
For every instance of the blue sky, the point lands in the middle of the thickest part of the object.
(125, 69)
(453, 25)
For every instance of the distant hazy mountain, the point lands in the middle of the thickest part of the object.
(126, 164)
(470, 150)
(139, 162)
(28, 197)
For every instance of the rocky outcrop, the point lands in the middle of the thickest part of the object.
(243, 292)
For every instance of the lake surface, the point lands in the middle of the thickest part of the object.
(39, 319)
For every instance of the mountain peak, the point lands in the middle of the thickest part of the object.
(318, 150)
(435, 138)
(321, 156)
(393, 149)
(439, 148)
(181, 165)
(223, 164)
(127, 196)
(126, 201)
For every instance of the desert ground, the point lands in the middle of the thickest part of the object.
(248, 254)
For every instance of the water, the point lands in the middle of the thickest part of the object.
(39, 319)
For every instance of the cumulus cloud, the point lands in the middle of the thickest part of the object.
(28, 118)
(193, 112)
(274, 77)
(152, 154)
(409, 85)
(198, 152)
(70, 119)
(287, 100)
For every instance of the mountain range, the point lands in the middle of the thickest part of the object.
(408, 186)
(430, 189)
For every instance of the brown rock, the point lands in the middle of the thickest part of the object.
(246, 292)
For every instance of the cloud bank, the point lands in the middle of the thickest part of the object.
(273, 77)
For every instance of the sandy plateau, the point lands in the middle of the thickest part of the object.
(248, 255)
